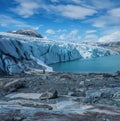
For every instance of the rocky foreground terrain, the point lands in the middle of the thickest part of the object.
(60, 97)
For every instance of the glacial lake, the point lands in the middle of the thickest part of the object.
(99, 64)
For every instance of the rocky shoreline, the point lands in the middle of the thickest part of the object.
(57, 96)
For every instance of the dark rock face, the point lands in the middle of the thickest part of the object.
(55, 95)
(28, 32)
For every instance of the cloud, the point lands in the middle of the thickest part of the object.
(73, 32)
(54, 1)
(67, 1)
(103, 4)
(113, 37)
(87, 14)
(7, 21)
(76, 1)
(111, 17)
(26, 8)
(74, 11)
(37, 27)
(115, 12)
(70, 36)
(50, 31)
(90, 37)
(99, 21)
(90, 31)
(69, 10)
(61, 30)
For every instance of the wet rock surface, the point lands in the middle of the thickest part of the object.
(60, 97)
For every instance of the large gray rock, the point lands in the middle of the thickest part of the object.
(49, 95)
(28, 32)
(14, 85)
(78, 93)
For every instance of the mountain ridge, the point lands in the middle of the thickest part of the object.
(28, 32)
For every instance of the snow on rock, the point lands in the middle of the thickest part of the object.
(28, 32)
(19, 53)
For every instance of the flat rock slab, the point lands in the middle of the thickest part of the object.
(42, 96)
(33, 96)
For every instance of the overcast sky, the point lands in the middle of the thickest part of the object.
(70, 20)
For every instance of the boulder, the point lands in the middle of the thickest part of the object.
(12, 86)
(77, 93)
(49, 95)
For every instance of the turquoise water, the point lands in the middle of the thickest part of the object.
(100, 64)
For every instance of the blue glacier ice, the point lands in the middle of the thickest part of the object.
(19, 53)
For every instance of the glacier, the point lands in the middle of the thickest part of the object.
(20, 53)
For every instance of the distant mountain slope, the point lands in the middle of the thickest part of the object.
(115, 46)
(19, 53)
(28, 32)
